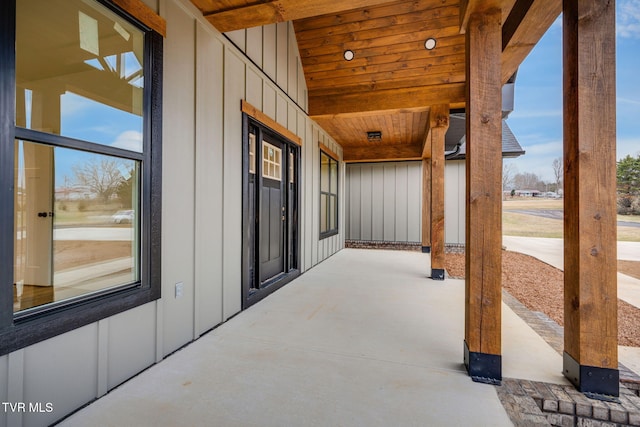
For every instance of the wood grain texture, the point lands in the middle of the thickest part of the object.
(329, 151)
(382, 153)
(590, 183)
(397, 127)
(391, 71)
(236, 15)
(389, 99)
(438, 124)
(269, 122)
(522, 30)
(471, 7)
(144, 14)
(426, 202)
(483, 184)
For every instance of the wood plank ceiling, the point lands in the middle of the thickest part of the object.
(393, 80)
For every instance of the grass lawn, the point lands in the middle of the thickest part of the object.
(517, 224)
(518, 203)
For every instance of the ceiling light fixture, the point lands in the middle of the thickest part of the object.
(430, 43)
(348, 55)
(374, 136)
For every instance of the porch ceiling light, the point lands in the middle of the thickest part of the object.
(430, 43)
(348, 55)
(374, 136)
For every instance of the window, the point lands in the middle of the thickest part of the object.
(80, 155)
(271, 161)
(252, 153)
(328, 195)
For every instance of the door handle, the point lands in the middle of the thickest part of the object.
(45, 214)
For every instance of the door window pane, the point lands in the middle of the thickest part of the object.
(271, 161)
(79, 72)
(252, 153)
(76, 223)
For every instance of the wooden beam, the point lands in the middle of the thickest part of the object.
(426, 205)
(470, 7)
(144, 14)
(590, 284)
(525, 26)
(329, 151)
(390, 99)
(373, 153)
(438, 123)
(270, 12)
(438, 117)
(483, 292)
(269, 122)
(426, 144)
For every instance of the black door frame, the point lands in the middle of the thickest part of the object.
(252, 289)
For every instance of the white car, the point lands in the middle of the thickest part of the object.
(122, 217)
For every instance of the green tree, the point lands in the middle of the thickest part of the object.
(628, 174)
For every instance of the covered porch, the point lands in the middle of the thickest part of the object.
(395, 72)
(360, 339)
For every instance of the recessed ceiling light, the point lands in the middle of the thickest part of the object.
(374, 135)
(348, 55)
(430, 43)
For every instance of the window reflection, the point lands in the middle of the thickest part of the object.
(328, 195)
(76, 223)
(80, 74)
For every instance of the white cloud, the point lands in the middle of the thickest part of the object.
(628, 101)
(535, 114)
(538, 157)
(551, 148)
(129, 140)
(72, 104)
(628, 19)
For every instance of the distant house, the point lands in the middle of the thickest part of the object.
(74, 193)
(528, 193)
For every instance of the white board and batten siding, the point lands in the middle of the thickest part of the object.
(206, 76)
(454, 202)
(384, 202)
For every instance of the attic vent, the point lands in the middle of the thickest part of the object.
(374, 136)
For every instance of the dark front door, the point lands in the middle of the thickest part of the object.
(272, 211)
(270, 250)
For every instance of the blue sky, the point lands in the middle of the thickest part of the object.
(537, 118)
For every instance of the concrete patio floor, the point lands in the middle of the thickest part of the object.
(363, 339)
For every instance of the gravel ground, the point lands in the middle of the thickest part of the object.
(539, 287)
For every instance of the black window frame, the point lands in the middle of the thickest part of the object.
(330, 231)
(21, 330)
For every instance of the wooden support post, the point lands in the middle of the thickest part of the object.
(438, 124)
(590, 280)
(483, 293)
(426, 205)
